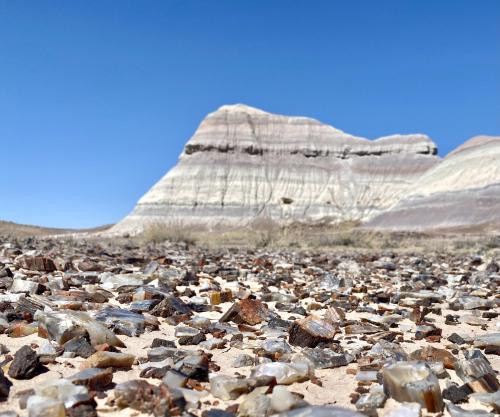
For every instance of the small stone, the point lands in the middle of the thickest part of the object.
(311, 331)
(171, 306)
(362, 329)
(24, 286)
(79, 346)
(487, 340)
(93, 378)
(25, 364)
(162, 342)
(413, 382)
(368, 403)
(244, 360)
(38, 263)
(192, 340)
(45, 407)
(62, 326)
(455, 393)
(327, 358)
(227, 388)
(247, 311)
(457, 339)
(174, 379)
(62, 390)
(478, 374)
(147, 398)
(255, 404)
(405, 410)
(432, 354)
(5, 385)
(456, 411)
(424, 331)
(214, 343)
(124, 321)
(82, 410)
(283, 400)
(488, 399)
(285, 373)
(103, 359)
(217, 297)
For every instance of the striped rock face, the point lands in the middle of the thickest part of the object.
(461, 192)
(244, 164)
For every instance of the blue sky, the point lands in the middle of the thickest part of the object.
(97, 98)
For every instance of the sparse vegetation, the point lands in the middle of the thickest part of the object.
(159, 232)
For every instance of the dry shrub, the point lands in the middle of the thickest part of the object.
(492, 243)
(159, 232)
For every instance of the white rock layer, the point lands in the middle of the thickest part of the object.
(243, 164)
(462, 192)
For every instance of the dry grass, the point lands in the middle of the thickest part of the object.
(266, 234)
(159, 232)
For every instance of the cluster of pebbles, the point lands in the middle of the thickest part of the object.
(108, 329)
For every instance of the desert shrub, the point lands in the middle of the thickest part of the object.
(492, 243)
(159, 232)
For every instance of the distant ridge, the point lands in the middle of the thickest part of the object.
(12, 229)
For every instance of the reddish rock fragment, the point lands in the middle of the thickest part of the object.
(246, 311)
(311, 331)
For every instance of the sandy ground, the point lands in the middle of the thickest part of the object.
(336, 387)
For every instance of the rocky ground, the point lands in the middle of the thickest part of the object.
(108, 329)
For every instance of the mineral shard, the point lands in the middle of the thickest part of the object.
(413, 382)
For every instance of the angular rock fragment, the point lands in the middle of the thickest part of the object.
(432, 354)
(456, 393)
(93, 378)
(25, 364)
(124, 321)
(478, 374)
(326, 358)
(255, 404)
(311, 331)
(370, 402)
(103, 359)
(62, 390)
(171, 306)
(5, 385)
(247, 311)
(283, 400)
(285, 373)
(38, 263)
(489, 399)
(487, 340)
(148, 398)
(413, 382)
(80, 346)
(62, 326)
(456, 411)
(228, 388)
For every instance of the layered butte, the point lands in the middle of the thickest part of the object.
(243, 164)
(461, 192)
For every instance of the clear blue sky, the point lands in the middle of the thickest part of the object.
(97, 98)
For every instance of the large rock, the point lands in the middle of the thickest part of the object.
(243, 163)
(461, 192)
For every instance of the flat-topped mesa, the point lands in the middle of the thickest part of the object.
(243, 163)
(462, 192)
